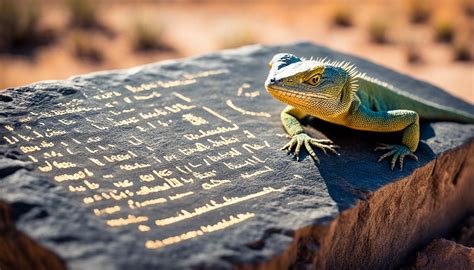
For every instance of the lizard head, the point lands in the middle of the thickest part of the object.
(314, 86)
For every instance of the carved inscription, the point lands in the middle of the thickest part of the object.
(127, 168)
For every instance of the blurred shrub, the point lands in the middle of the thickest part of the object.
(147, 34)
(83, 12)
(420, 11)
(412, 53)
(236, 36)
(18, 22)
(444, 29)
(342, 16)
(468, 7)
(84, 48)
(377, 29)
(463, 50)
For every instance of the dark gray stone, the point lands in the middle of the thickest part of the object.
(79, 111)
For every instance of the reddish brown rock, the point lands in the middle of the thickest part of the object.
(18, 251)
(445, 254)
(466, 235)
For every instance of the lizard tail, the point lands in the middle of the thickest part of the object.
(438, 112)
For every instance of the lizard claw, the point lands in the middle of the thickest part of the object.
(303, 140)
(398, 151)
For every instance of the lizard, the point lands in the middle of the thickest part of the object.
(336, 92)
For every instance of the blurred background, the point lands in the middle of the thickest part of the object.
(54, 39)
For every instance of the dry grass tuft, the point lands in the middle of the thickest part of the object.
(420, 11)
(377, 29)
(83, 12)
(147, 34)
(83, 48)
(18, 22)
(413, 53)
(468, 7)
(444, 29)
(463, 50)
(342, 16)
(236, 36)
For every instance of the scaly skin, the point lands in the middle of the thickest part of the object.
(337, 93)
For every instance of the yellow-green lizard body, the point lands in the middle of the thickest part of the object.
(337, 93)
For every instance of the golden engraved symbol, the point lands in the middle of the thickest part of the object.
(124, 183)
(224, 223)
(153, 114)
(175, 108)
(64, 165)
(170, 157)
(250, 147)
(231, 153)
(136, 165)
(25, 138)
(180, 195)
(107, 95)
(216, 114)
(11, 140)
(130, 219)
(211, 132)
(143, 228)
(223, 141)
(153, 85)
(79, 188)
(75, 176)
(213, 205)
(97, 162)
(214, 183)
(52, 154)
(208, 73)
(94, 139)
(134, 204)
(245, 112)
(178, 95)
(198, 147)
(242, 88)
(194, 120)
(152, 95)
(46, 168)
(29, 149)
(66, 122)
(249, 134)
(118, 157)
(91, 185)
(204, 175)
(108, 210)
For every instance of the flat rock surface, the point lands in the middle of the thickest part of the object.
(176, 164)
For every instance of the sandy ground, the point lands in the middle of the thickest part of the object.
(197, 27)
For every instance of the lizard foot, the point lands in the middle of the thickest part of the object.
(398, 151)
(303, 139)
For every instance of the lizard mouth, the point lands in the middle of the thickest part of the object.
(277, 92)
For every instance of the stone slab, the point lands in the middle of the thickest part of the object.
(176, 165)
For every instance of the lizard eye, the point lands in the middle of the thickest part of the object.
(314, 80)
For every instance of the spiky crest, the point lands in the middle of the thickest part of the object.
(348, 67)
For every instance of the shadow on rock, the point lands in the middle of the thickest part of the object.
(355, 173)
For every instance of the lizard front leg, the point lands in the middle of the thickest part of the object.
(289, 119)
(390, 121)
